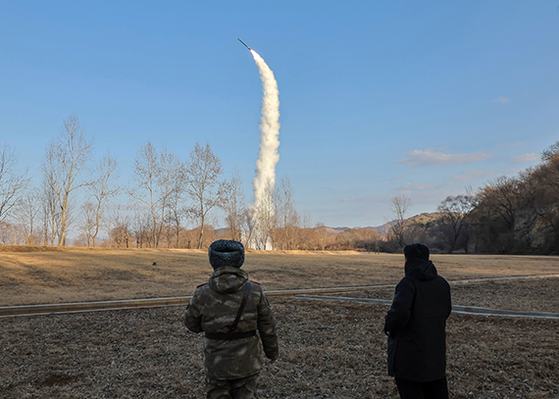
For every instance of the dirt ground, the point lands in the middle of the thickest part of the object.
(538, 295)
(328, 349)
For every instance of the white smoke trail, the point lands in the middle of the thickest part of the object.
(268, 157)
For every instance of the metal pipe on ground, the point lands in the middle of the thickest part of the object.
(456, 309)
(79, 307)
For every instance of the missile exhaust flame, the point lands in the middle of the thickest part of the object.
(268, 156)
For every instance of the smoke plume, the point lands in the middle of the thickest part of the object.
(268, 157)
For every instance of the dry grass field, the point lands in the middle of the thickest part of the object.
(328, 349)
(74, 275)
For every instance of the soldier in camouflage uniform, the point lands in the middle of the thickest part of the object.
(229, 309)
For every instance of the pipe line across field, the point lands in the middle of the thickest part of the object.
(79, 307)
(455, 309)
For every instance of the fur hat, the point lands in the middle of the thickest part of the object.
(226, 253)
(416, 250)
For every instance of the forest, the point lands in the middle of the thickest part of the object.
(170, 204)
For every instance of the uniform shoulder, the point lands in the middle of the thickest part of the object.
(256, 287)
(202, 291)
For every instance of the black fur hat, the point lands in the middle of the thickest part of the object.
(226, 253)
(416, 250)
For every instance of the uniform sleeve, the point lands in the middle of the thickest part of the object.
(267, 328)
(400, 311)
(192, 315)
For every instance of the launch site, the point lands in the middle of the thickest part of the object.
(365, 202)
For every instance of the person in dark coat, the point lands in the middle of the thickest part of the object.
(416, 328)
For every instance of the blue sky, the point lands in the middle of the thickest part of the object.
(379, 98)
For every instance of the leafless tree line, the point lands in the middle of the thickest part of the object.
(166, 194)
(521, 214)
(171, 204)
(508, 215)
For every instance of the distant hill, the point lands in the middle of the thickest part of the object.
(425, 218)
(383, 229)
(422, 218)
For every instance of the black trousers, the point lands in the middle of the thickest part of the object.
(437, 389)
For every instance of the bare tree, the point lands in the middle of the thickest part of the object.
(249, 227)
(66, 157)
(175, 216)
(27, 216)
(119, 228)
(234, 207)
(551, 153)
(87, 225)
(504, 194)
(400, 207)
(12, 182)
(546, 204)
(288, 219)
(204, 185)
(50, 211)
(454, 211)
(141, 228)
(157, 177)
(265, 219)
(10, 234)
(324, 235)
(102, 190)
(501, 203)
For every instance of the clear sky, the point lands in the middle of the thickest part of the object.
(378, 98)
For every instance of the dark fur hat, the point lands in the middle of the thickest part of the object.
(226, 253)
(416, 250)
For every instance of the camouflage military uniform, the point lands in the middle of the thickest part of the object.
(232, 365)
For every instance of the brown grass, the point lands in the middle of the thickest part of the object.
(30, 248)
(328, 349)
(75, 275)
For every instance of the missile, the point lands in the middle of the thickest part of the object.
(249, 49)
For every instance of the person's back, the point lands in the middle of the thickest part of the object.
(416, 324)
(229, 309)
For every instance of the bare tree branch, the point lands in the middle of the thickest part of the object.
(204, 185)
(12, 182)
(400, 207)
(158, 178)
(65, 159)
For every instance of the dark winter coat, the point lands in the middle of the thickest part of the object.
(416, 324)
(213, 309)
